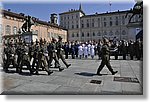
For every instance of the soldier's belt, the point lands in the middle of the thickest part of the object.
(45, 54)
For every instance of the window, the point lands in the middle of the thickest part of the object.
(110, 18)
(72, 26)
(110, 23)
(88, 25)
(92, 22)
(123, 32)
(82, 25)
(72, 34)
(116, 20)
(14, 30)
(77, 16)
(93, 34)
(104, 18)
(105, 24)
(77, 35)
(88, 34)
(123, 20)
(77, 26)
(82, 34)
(98, 22)
(8, 29)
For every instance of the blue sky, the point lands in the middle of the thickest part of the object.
(43, 10)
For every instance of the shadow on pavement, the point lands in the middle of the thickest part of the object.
(86, 74)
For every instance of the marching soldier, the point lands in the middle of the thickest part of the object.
(31, 48)
(11, 57)
(25, 59)
(53, 54)
(35, 55)
(42, 59)
(60, 51)
(105, 58)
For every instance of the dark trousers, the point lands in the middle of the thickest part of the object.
(105, 61)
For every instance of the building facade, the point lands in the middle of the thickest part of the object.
(93, 27)
(11, 23)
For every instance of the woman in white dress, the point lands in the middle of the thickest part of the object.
(92, 51)
(80, 51)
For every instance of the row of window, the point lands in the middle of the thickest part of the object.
(8, 29)
(67, 17)
(99, 34)
(93, 22)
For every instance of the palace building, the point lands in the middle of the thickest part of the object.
(11, 23)
(84, 27)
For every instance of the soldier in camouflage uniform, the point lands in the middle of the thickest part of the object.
(31, 50)
(42, 59)
(25, 59)
(105, 58)
(11, 57)
(60, 51)
(19, 53)
(35, 50)
(52, 50)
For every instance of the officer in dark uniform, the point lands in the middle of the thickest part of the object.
(53, 54)
(66, 49)
(105, 58)
(42, 59)
(60, 51)
(131, 49)
(123, 49)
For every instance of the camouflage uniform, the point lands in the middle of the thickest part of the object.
(60, 52)
(11, 57)
(25, 59)
(42, 60)
(52, 50)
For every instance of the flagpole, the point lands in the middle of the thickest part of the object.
(110, 6)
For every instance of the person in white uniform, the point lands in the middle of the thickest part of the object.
(85, 51)
(92, 50)
(89, 49)
(80, 51)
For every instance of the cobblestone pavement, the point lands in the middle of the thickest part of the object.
(80, 78)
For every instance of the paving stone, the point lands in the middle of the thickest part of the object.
(111, 86)
(33, 88)
(76, 79)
